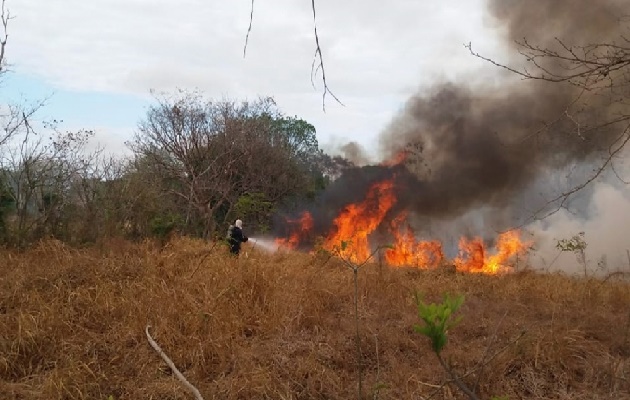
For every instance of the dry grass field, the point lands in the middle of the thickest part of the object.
(281, 326)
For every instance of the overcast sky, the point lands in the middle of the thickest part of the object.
(100, 59)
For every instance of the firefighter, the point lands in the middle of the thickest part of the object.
(235, 237)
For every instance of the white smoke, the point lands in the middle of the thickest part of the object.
(606, 227)
(268, 245)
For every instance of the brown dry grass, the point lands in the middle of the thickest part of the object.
(281, 327)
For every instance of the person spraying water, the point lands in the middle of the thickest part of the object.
(235, 237)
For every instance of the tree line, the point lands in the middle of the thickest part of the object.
(196, 165)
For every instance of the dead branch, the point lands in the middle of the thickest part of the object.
(596, 69)
(455, 379)
(480, 365)
(5, 16)
(355, 270)
(249, 29)
(563, 198)
(614, 274)
(17, 120)
(170, 363)
(583, 66)
(318, 58)
(378, 368)
(320, 65)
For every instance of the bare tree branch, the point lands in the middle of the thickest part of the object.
(5, 16)
(318, 58)
(320, 65)
(618, 175)
(170, 363)
(482, 364)
(597, 77)
(455, 379)
(587, 70)
(563, 197)
(249, 29)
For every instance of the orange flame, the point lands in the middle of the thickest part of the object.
(508, 245)
(406, 251)
(304, 226)
(399, 158)
(356, 222)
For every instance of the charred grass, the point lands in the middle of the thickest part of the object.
(282, 327)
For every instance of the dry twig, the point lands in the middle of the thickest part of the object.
(170, 363)
(318, 58)
(320, 65)
(249, 29)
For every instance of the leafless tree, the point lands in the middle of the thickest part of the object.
(5, 16)
(38, 174)
(597, 77)
(193, 145)
(123, 196)
(91, 201)
(211, 155)
(13, 118)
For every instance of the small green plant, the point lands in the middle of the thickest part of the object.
(576, 245)
(438, 319)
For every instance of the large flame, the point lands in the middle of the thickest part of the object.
(474, 256)
(407, 251)
(350, 238)
(357, 221)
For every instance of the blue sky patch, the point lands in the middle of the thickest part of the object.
(76, 108)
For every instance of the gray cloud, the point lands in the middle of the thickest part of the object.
(375, 55)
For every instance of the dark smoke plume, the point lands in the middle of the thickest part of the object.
(472, 148)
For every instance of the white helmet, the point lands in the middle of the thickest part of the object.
(239, 223)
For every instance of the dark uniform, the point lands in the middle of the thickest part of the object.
(235, 238)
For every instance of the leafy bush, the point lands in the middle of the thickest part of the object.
(162, 225)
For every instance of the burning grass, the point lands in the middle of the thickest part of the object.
(355, 224)
(281, 326)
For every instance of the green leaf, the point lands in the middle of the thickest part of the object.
(438, 318)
